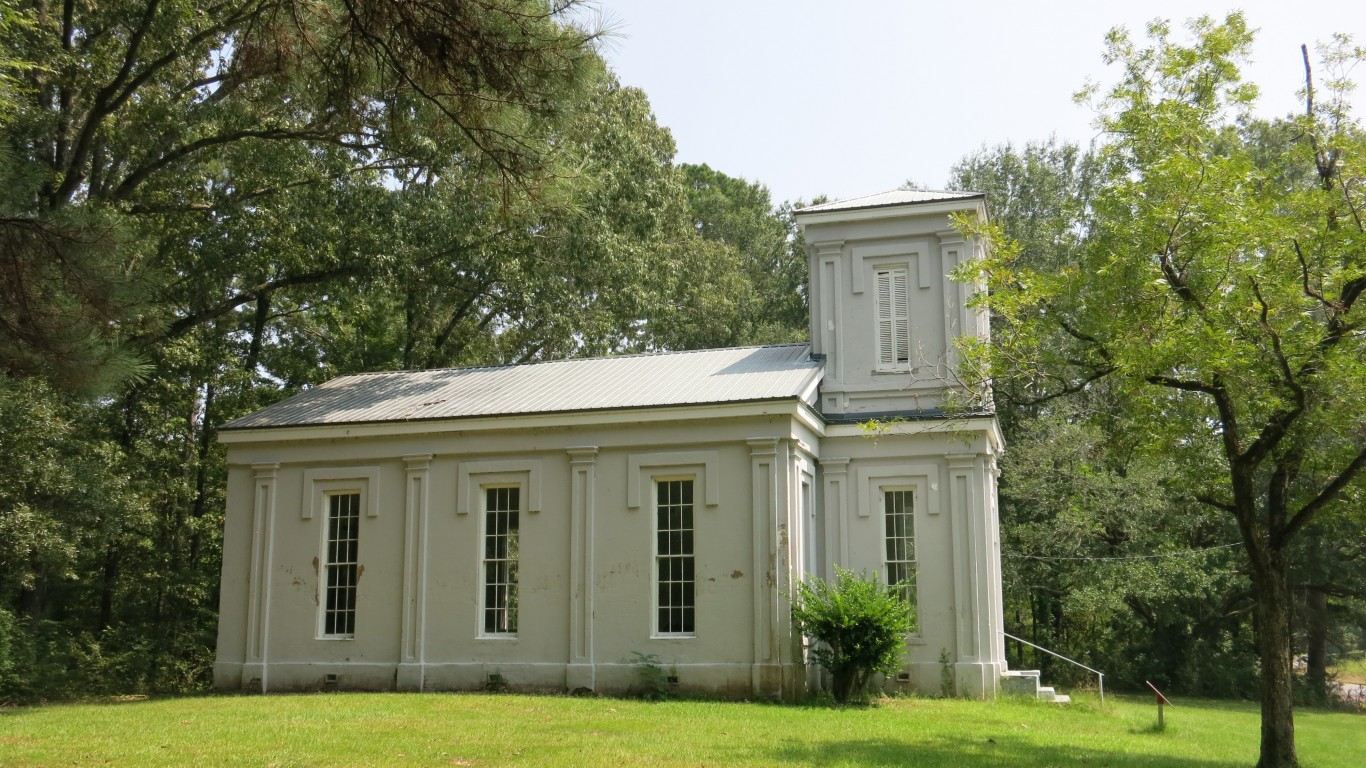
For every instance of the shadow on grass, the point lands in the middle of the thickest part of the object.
(950, 753)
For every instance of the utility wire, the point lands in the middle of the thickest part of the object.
(1158, 556)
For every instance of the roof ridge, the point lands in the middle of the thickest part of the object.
(931, 195)
(658, 353)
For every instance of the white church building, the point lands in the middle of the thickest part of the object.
(544, 526)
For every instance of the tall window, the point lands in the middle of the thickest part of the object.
(500, 560)
(893, 320)
(674, 561)
(899, 513)
(343, 529)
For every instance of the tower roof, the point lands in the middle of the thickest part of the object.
(890, 198)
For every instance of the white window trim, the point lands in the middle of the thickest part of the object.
(923, 480)
(473, 475)
(704, 466)
(320, 491)
(916, 498)
(655, 480)
(366, 477)
(487, 481)
(862, 254)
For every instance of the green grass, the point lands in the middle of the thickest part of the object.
(492, 730)
(1350, 668)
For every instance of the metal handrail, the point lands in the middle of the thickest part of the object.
(1099, 675)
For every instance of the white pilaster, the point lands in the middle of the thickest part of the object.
(826, 304)
(976, 670)
(412, 657)
(957, 315)
(835, 474)
(581, 672)
(255, 670)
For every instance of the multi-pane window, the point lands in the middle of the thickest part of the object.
(674, 560)
(893, 320)
(899, 514)
(342, 565)
(500, 560)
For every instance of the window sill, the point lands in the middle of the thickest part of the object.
(678, 636)
(335, 637)
(503, 638)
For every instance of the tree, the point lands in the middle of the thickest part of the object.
(738, 276)
(1105, 556)
(1217, 292)
(150, 122)
(860, 623)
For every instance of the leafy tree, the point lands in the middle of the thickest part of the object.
(487, 277)
(1217, 293)
(1109, 561)
(759, 239)
(1036, 194)
(739, 275)
(1106, 558)
(860, 625)
(152, 129)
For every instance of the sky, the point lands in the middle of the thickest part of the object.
(852, 97)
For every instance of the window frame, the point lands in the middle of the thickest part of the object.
(483, 560)
(656, 630)
(899, 323)
(909, 591)
(324, 491)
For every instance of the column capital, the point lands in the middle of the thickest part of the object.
(416, 462)
(829, 247)
(962, 460)
(762, 446)
(835, 465)
(267, 470)
(582, 454)
(949, 237)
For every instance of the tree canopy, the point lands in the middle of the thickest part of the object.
(148, 140)
(1216, 294)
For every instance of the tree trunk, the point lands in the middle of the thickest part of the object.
(842, 685)
(258, 332)
(201, 478)
(1271, 587)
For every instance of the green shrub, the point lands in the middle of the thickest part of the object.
(860, 625)
(652, 681)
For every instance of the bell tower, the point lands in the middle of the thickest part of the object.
(918, 504)
(884, 313)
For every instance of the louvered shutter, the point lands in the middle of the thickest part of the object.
(893, 320)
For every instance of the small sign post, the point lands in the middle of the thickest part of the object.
(1161, 702)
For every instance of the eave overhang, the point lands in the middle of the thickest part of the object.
(610, 417)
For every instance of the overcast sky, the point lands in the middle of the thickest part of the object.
(857, 96)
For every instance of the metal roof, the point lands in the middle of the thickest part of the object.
(738, 374)
(892, 197)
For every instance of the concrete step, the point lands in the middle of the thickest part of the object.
(1025, 682)
(1020, 682)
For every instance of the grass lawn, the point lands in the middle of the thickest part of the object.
(1350, 668)
(487, 730)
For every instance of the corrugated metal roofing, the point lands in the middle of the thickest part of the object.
(736, 374)
(892, 197)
